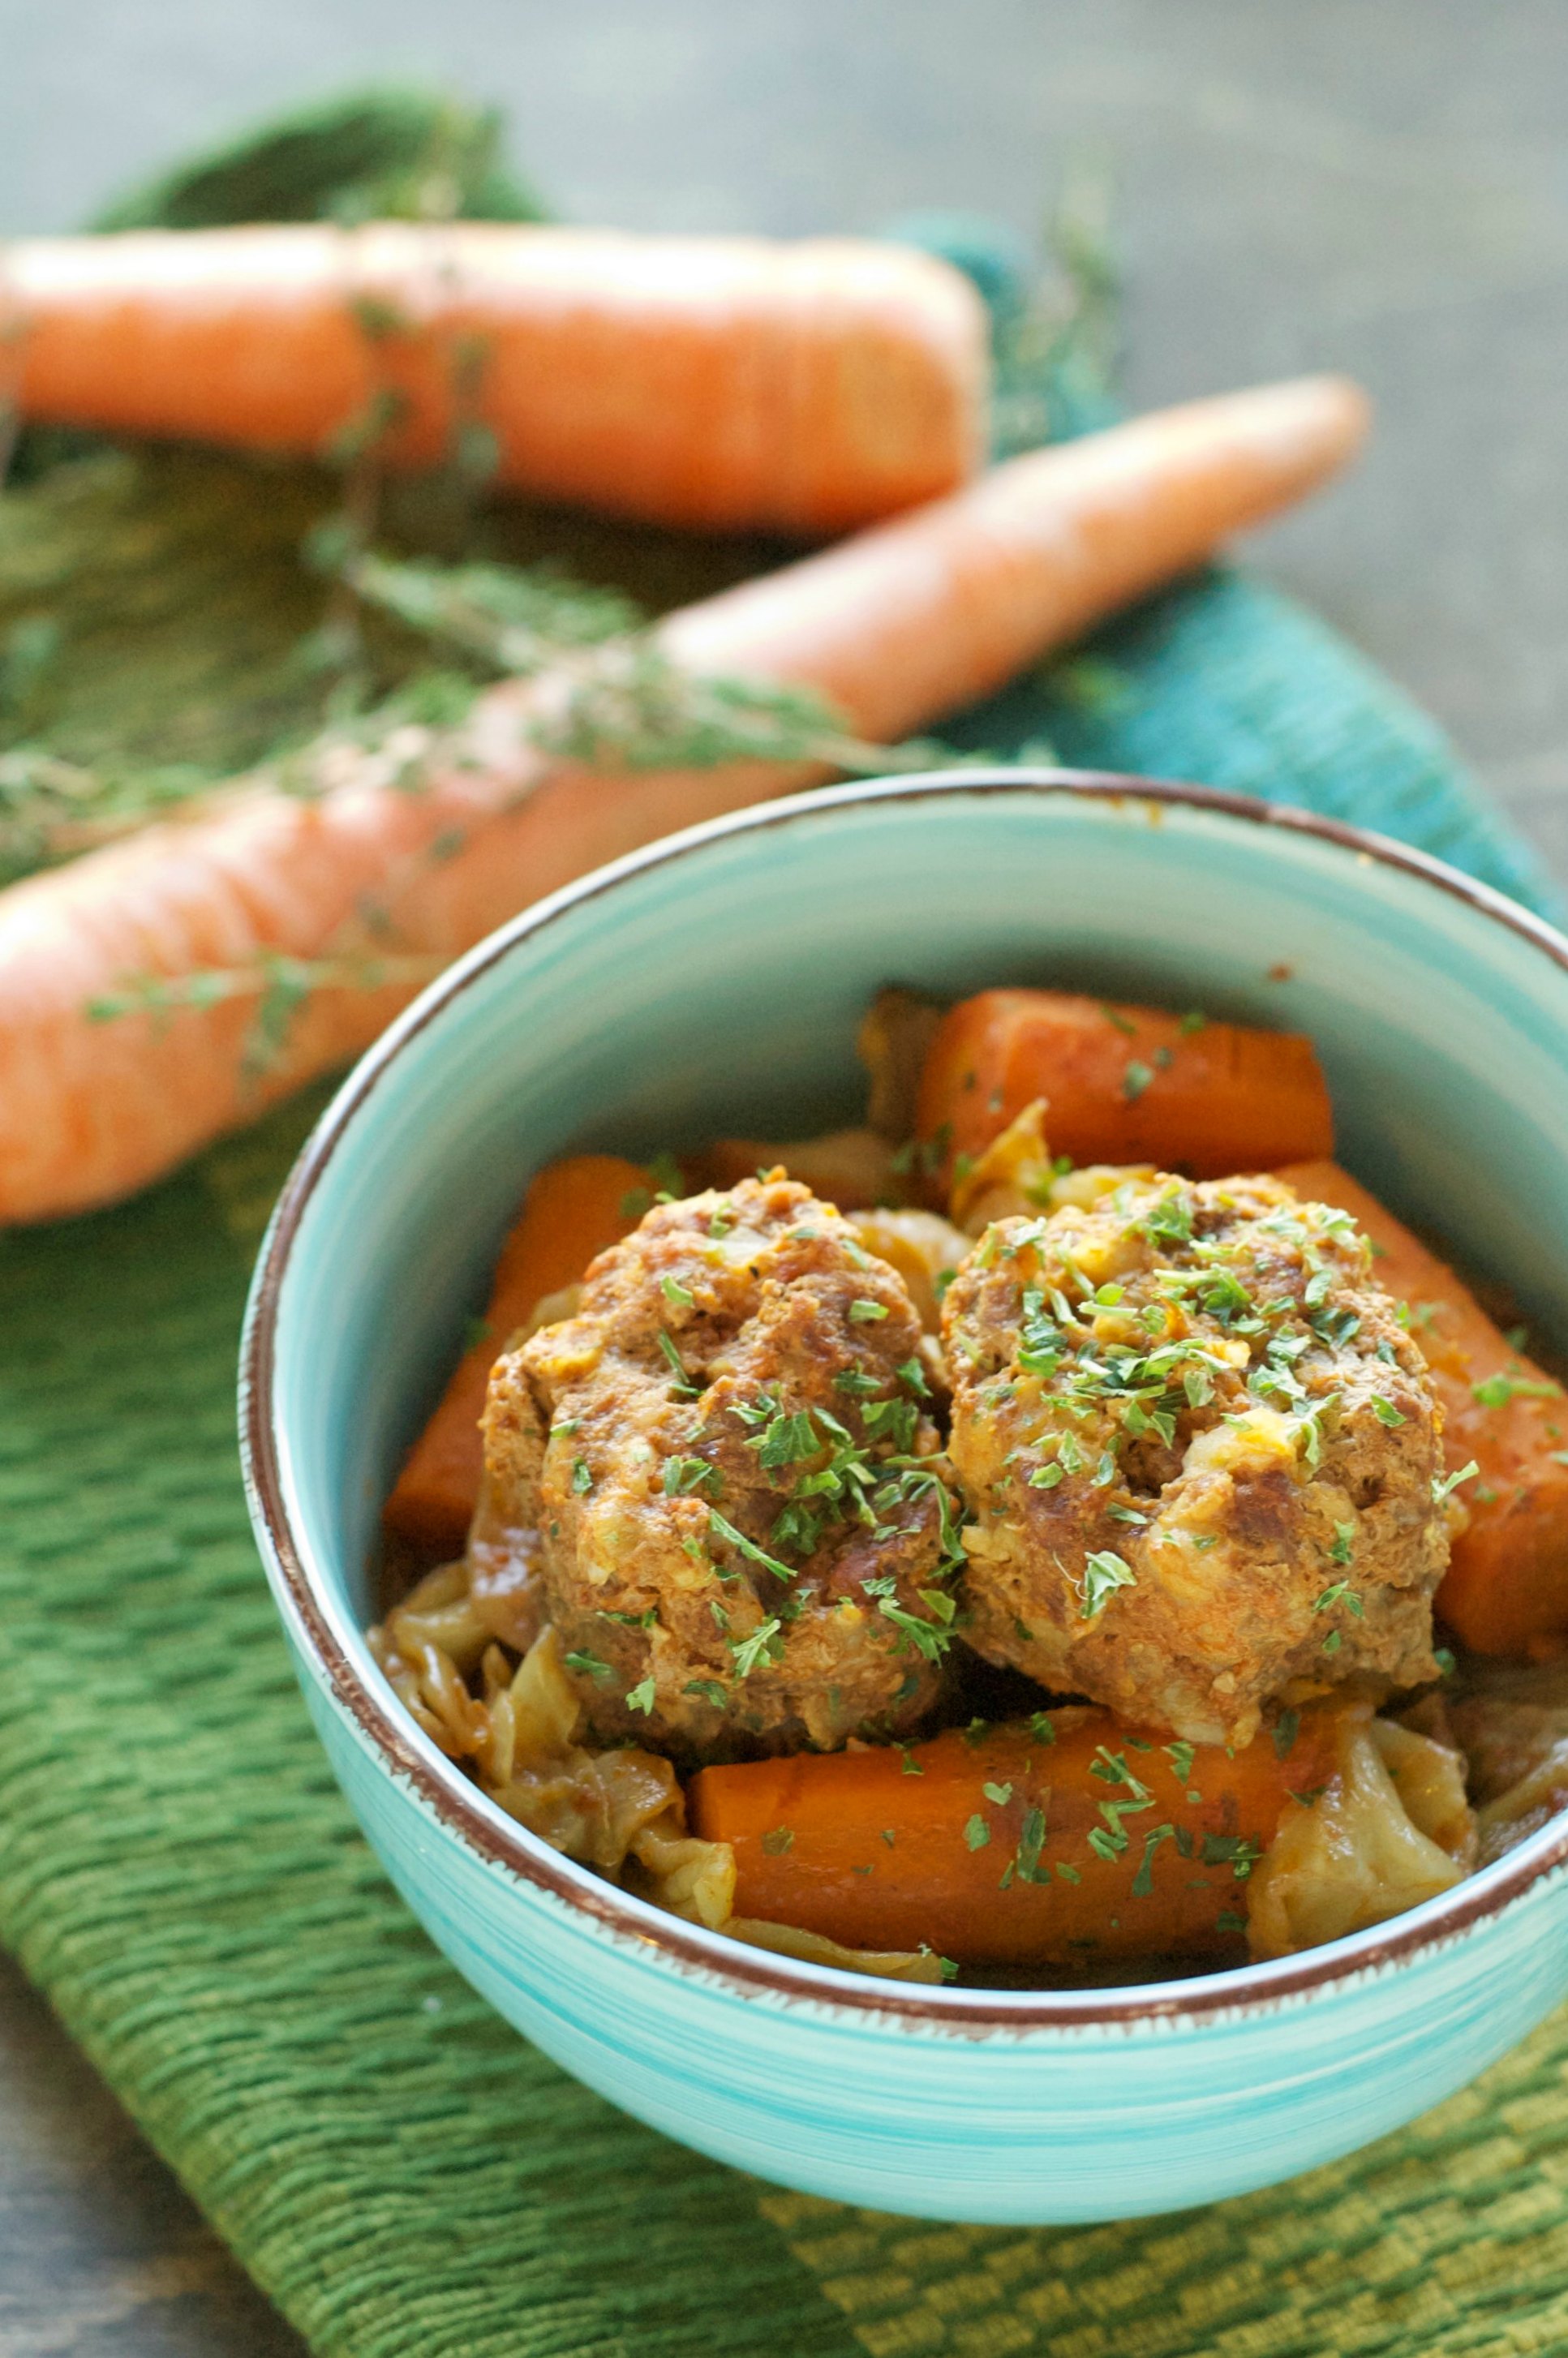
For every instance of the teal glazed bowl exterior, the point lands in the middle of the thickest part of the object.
(713, 983)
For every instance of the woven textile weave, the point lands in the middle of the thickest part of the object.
(402, 2173)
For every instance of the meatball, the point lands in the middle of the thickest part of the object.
(742, 1533)
(1201, 1451)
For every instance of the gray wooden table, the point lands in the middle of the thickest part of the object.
(1377, 185)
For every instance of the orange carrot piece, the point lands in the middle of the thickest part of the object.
(1124, 1084)
(1066, 1840)
(894, 627)
(573, 1211)
(1505, 1590)
(720, 381)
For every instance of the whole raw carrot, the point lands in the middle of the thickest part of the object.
(718, 381)
(573, 1210)
(894, 627)
(1505, 1589)
(1065, 1840)
(1123, 1084)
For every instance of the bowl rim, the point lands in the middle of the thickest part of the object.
(1251, 1990)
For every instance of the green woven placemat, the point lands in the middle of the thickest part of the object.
(400, 2171)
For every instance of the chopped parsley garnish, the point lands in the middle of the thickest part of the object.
(1194, 1021)
(764, 1644)
(720, 1527)
(1030, 1843)
(785, 1440)
(589, 1666)
(1342, 1549)
(1143, 1881)
(1042, 1727)
(867, 1313)
(1136, 1079)
(720, 1220)
(641, 1697)
(1332, 1642)
(977, 1833)
(857, 1383)
(1001, 1794)
(1385, 1411)
(1444, 1486)
(1228, 1920)
(648, 1620)
(778, 1841)
(1285, 1731)
(709, 1690)
(1181, 1755)
(677, 1365)
(1498, 1390)
(1170, 1221)
(582, 1475)
(1341, 1593)
(931, 1642)
(686, 1476)
(1239, 1852)
(893, 1421)
(675, 1291)
(1104, 1574)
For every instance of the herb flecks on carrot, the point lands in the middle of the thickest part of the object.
(441, 838)
(1123, 1085)
(574, 1210)
(719, 382)
(1069, 1840)
(1505, 1590)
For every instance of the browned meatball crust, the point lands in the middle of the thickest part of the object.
(1201, 1451)
(742, 1544)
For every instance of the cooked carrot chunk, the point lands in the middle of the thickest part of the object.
(1505, 1591)
(573, 1210)
(1123, 1085)
(1065, 1840)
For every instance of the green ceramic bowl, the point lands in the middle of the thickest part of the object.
(713, 983)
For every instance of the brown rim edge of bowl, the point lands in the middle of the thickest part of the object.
(457, 1804)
